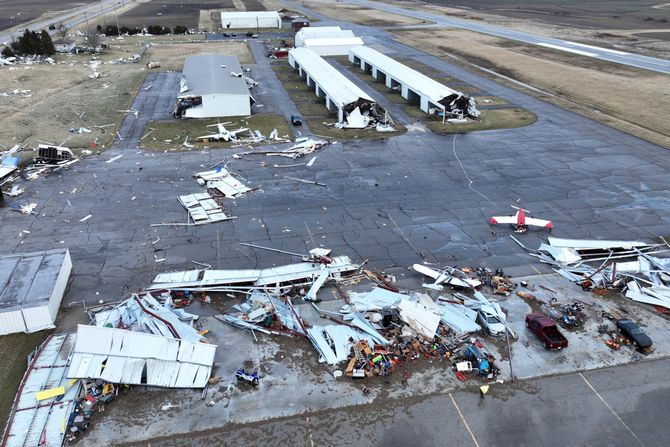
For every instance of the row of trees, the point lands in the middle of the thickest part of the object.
(112, 30)
(31, 43)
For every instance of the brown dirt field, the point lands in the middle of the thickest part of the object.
(359, 14)
(172, 55)
(170, 12)
(589, 87)
(603, 14)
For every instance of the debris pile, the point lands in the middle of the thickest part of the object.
(596, 265)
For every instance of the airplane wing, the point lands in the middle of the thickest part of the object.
(539, 223)
(503, 220)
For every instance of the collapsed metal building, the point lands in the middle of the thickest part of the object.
(413, 85)
(339, 93)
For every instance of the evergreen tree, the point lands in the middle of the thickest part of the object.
(7, 52)
(47, 44)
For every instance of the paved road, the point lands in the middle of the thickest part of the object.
(619, 57)
(72, 17)
(620, 406)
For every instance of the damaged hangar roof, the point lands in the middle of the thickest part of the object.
(136, 358)
(210, 74)
(416, 81)
(338, 87)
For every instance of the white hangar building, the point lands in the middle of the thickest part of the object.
(250, 19)
(327, 40)
(211, 87)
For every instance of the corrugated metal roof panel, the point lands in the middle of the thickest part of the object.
(337, 86)
(127, 354)
(209, 74)
(31, 424)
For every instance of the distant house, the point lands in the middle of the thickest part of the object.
(298, 23)
(64, 45)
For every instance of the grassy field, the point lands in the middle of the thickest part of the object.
(14, 350)
(169, 135)
(64, 97)
(314, 111)
(587, 86)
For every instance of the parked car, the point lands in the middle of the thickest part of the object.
(633, 332)
(226, 35)
(546, 330)
(254, 36)
(488, 319)
(249, 34)
(296, 120)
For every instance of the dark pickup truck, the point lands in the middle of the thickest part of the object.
(546, 330)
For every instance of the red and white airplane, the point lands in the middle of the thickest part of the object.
(520, 221)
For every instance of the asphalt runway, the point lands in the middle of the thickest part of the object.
(619, 57)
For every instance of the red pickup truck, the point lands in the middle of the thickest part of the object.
(546, 330)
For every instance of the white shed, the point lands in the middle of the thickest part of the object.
(32, 286)
(213, 85)
(250, 19)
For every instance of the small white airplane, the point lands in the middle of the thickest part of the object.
(521, 222)
(7, 61)
(451, 276)
(224, 134)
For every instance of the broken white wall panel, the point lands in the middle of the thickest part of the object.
(142, 313)
(458, 317)
(35, 420)
(202, 209)
(564, 255)
(592, 244)
(641, 295)
(224, 182)
(375, 300)
(340, 93)
(208, 90)
(301, 272)
(412, 84)
(136, 358)
(32, 286)
(422, 321)
(316, 285)
(334, 342)
(250, 19)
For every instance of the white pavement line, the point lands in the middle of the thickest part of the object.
(467, 427)
(309, 432)
(611, 409)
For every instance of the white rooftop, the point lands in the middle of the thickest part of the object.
(416, 81)
(338, 87)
